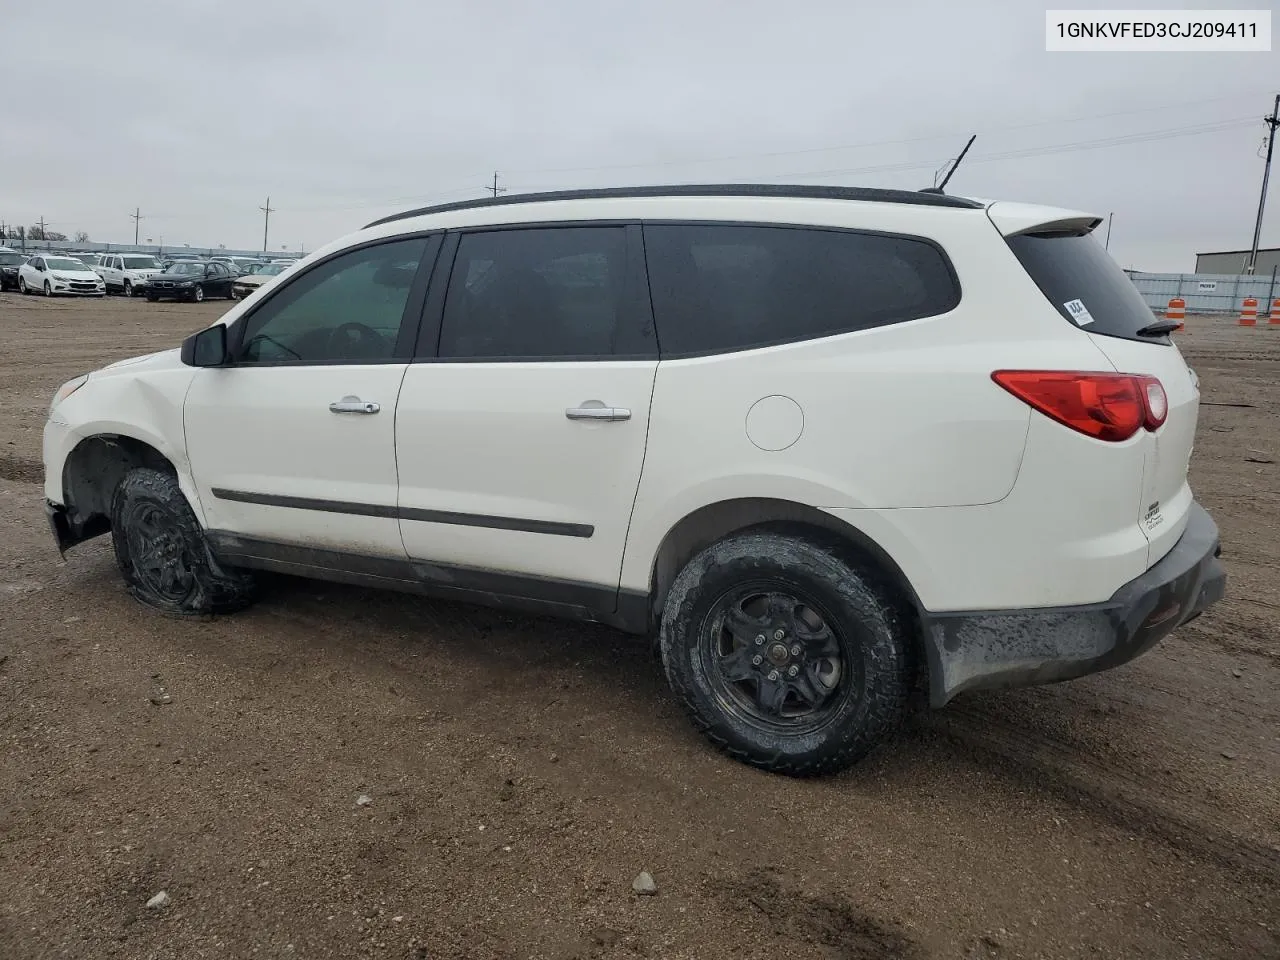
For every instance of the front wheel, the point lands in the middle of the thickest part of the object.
(48, 289)
(786, 657)
(151, 298)
(128, 289)
(162, 553)
(22, 286)
(197, 295)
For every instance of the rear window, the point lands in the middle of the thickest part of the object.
(721, 288)
(1084, 284)
(10, 259)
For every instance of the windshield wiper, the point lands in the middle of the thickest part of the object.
(1159, 328)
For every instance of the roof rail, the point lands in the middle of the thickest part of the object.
(804, 191)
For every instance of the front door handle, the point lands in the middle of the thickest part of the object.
(595, 410)
(350, 404)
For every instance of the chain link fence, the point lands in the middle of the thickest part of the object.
(1206, 293)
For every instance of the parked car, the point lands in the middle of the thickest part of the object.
(10, 261)
(819, 440)
(127, 273)
(247, 283)
(171, 259)
(90, 260)
(56, 275)
(239, 264)
(190, 280)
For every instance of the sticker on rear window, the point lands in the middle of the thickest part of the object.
(1079, 313)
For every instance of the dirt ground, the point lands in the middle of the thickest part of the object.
(523, 771)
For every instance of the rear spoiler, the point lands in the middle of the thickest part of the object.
(1012, 219)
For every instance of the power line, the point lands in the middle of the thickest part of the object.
(1043, 150)
(878, 143)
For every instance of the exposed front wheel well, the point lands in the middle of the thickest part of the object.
(717, 521)
(93, 471)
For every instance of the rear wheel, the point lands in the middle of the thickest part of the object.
(161, 551)
(785, 656)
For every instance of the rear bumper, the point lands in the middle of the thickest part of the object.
(1012, 648)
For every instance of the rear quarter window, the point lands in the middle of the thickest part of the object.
(1085, 286)
(720, 288)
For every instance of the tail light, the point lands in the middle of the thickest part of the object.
(1105, 406)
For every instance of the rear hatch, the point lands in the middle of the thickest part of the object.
(1090, 291)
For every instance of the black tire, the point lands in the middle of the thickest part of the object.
(162, 553)
(151, 298)
(784, 594)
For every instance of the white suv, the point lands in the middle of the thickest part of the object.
(822, 442)
(127, 273)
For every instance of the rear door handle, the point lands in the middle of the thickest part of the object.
(350, 404)
(595, 410)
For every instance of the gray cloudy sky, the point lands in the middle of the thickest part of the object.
(341, 111)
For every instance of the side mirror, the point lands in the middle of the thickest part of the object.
(208, 348)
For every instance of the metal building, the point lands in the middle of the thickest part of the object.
(1234, 261)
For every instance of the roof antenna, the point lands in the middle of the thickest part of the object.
(947, 179)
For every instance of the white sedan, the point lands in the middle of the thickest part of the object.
(59, 275)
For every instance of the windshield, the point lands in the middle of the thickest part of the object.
(187, 269)
(140, 263)
(271, 269)
(10, 259)
(65, 263)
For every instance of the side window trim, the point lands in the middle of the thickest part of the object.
(637, 329)
(824, 228)
(412, 309)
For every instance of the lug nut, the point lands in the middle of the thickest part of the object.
(760, 640)
(779, 634)
(773, 674)
(757, 660)
(795, 649)
(793, 671)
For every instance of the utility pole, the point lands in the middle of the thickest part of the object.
(495, 188)
(1107, 245)
(46, 239)
(266, 222)
(136, 217)
(1272, 121)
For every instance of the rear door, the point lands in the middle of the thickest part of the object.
(1091, 292)
(520, 433)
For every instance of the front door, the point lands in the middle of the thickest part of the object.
(294, 442)
(520, 443)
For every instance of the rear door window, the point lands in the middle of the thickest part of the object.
(721, 288)
(1084, 284)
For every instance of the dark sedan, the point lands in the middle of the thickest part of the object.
(190, 280)
(10, 261)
